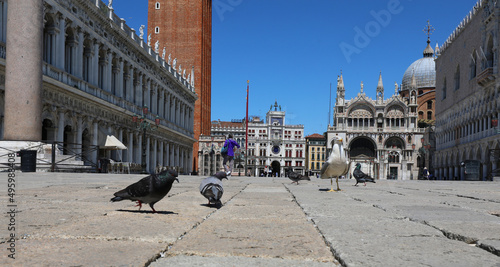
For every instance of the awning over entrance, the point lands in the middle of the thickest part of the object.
(112, 143)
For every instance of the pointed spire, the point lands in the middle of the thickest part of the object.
(380, 85)
(413, 83)
(340, 82)
(428, 52)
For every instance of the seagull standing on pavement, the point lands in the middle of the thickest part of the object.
(337, 163)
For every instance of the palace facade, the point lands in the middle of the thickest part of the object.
(97, 74)
(468, 97)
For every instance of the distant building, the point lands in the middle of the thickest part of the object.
(209, 156)
(381, 134)
(273, 146)
(468, 97)
(315, 153)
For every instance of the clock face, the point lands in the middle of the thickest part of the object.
(276, 149)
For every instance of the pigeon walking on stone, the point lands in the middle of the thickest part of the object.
(149, 189)
(296, 177)
(336, 165)
(211, 188)
(360, 176)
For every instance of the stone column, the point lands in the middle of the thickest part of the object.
(130, 149)
(61, 43)
(60, 127)
(78, 71)
(108, 71)
(149, 166)
(160, 155)
(138, 91)
(95, 138)
(79, 134)
(161, 104)
(167, 154)
(119, 153)
(154, 162)
(119, 80)
(95, 65)
(3, 14)
(23, 74)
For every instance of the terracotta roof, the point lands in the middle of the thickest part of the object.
(227, 124)
(316, 135)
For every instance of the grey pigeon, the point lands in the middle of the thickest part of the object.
(296, 177)
(337, 163)
(149, 189)
(211, 188)
(360, 176)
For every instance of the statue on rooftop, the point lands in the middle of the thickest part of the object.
(141, 31)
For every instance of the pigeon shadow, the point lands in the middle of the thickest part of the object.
(148, 211)
(217, 206)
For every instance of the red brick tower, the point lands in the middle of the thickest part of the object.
(184, 27)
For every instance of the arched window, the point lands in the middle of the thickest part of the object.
(157, 29)
(157, 5)
(429, 115)
(429, 104)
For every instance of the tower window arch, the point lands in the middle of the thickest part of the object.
(157, 29)
(157, 5)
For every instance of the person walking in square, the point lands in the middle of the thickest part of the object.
(229, 157)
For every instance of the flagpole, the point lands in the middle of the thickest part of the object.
(246, 132)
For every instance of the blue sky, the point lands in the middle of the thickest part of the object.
(292, 50)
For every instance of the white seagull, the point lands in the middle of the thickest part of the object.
(336, 165)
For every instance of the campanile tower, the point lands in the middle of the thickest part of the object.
(184, 28)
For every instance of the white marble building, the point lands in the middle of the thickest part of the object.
(98, 73)
(381, 134)
(275, 146)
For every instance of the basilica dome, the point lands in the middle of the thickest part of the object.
(424, 70)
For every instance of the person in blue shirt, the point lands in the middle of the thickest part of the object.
(229, 157)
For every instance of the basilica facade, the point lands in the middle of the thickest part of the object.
(97, 74)
(381, 134)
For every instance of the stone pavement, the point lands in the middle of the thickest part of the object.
(66, 219)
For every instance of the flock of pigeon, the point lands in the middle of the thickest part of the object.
(154, 187)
